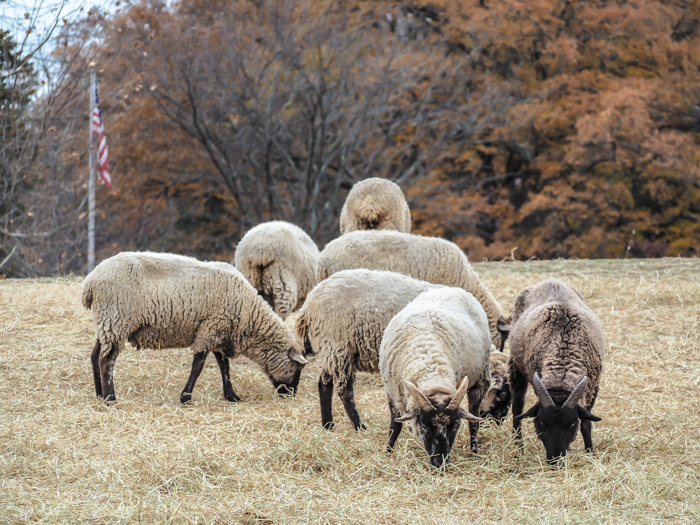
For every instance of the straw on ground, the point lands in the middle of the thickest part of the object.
(66, 457)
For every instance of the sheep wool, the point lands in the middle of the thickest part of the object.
(279, 259)
(497, 400)
(375, 204)
(161, 300)
(426, 258)
(344, 319)
(558, 347)
(440, 337)
(554, 333)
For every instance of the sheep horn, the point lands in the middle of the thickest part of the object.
(577, 394)
(422, 400)
(461, 391)
(541, 391)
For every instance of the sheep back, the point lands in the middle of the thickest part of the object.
(429, 259)
(554, 333)
(279, 259)
(375, 204)
(160, 300)
(434, 342)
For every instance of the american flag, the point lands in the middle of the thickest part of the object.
(102, 156)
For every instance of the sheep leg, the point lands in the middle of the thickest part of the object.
(325, 396)
(197, 365)
(229, 394)
(95, 359)
(347, 394)
(475, 396)
(394, 428)
(586, 427)
(518, 389)
(106, 361)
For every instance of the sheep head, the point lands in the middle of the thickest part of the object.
(436, 422)
(556, 425)
(497, 400)
(285, 378)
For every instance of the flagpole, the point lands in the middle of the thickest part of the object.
(91, 176)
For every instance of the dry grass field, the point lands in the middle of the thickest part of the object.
(65, 457)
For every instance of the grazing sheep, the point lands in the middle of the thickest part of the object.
(161, 300)
(426, 258)
(558, 345)
(375, 204)
(279, 259)
(497, 401)
(437, 350)
(343, 319)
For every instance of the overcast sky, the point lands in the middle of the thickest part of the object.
(18, 16)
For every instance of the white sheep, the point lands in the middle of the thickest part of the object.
(434, 352)
(426, 258)
(558, 346)
(375, 204)
(279, 259)
(343, 320)
(161, 300)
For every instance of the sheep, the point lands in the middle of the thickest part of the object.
(279, 259)
(434, 352)
(497, 401)
(426, 258)
(375, 204)
(161, 300)
(558, 346)
(343, 319)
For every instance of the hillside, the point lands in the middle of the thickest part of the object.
(67, 458)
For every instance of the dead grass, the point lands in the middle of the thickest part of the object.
(67, 458)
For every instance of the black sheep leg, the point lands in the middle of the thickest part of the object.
(229, 394)
(347, 395)
(394, 428)
(197, 365)
(106, 362)
(95, 359)
(475, 396)
(518, 389)
(325, 397)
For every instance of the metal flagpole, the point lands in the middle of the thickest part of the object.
(91, 177)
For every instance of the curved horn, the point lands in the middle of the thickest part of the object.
(461, 391)
(577, 394)
(422, 400)
(541, 391)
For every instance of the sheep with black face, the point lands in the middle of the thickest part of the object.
(433, 353)
(557, 344)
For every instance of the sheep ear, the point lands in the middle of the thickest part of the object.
(296, 355)
(407, 417)
(503, 328)
(586, 415)
(465, 414)
(530, 413)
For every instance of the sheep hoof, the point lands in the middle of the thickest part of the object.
(329, 425)
(361, 426)
(233, 398)
(185, 398)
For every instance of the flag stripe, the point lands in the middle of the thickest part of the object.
(102, 155)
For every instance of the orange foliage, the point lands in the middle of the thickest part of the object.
(599, 157)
